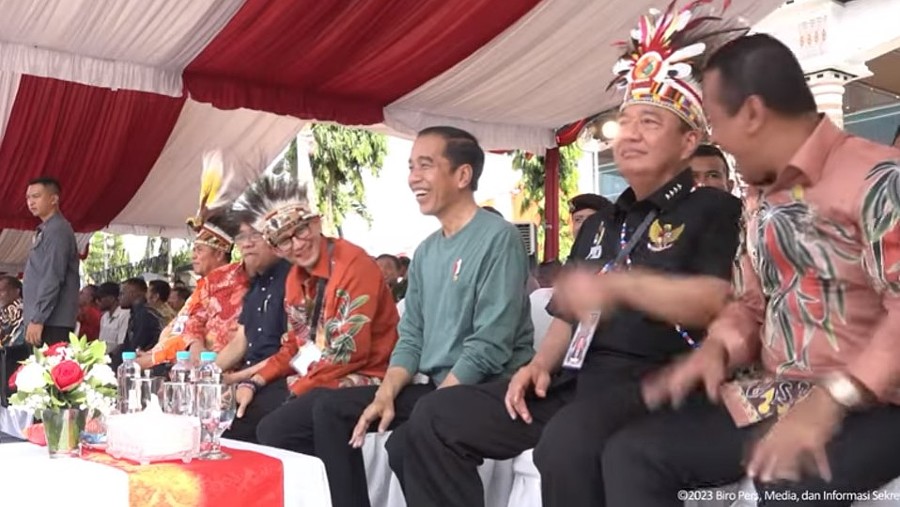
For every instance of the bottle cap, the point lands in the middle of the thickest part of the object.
(207, 356)
(182, 355)
(128, 355)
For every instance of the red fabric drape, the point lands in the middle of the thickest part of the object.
(336, 60)
(569, 134)
(100, 144)
(551, 204)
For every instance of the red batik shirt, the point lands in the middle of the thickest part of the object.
(209, 316)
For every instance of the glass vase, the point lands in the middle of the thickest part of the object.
(63, 428)
(94, 434)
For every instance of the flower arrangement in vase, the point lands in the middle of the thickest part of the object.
(64, 384)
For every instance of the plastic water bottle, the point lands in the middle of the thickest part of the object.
(181, 372)
(209, 372)
(128, 375)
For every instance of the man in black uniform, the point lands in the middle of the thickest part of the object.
(644, 278)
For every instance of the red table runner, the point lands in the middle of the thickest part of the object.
(248, 478)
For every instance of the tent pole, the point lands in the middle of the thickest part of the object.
(551, 204)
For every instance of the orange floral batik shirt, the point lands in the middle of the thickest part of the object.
(209, 316)
(358, 327)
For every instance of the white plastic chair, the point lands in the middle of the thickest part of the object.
(539, 316)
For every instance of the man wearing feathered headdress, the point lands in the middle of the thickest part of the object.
(818, 311)
(577, 394)
(341, 317)
(208, 319)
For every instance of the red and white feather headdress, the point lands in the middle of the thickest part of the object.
(664, 58)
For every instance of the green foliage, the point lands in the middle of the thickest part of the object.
(288, 162)
(181, 258)
(533, 181)
(338, 158)
(106, 251)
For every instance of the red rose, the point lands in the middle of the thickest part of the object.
(55, 349)
(67, 375)
(12, 380)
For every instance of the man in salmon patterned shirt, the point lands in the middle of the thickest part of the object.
(819, 307)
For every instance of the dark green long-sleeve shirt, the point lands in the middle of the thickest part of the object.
(467, 308)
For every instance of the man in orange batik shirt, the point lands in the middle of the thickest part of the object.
(334, 287)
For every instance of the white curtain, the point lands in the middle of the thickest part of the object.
(248, 139)
(549, 68)
(15, 245)
(137, 45)
(9, 85)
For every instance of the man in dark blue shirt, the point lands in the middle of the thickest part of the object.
(263, 322)
(143, 324)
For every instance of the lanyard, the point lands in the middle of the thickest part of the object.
(624, 257)
(320, 295)
(626, 247)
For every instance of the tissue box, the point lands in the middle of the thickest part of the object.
(150, 437)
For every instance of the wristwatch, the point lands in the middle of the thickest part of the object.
(844, 390)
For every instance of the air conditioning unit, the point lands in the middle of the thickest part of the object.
(528, 232)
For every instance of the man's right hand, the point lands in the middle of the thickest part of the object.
(381, 408)
(531, 376)
(243, 397)
(144, 360)
(33, 334)
(708, 366)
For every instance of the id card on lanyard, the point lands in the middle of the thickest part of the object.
(584, 333)
(310, 353)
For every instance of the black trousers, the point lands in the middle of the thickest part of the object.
(10, 357)
(647, 463)
(55, 334)
(266, 400)
(321, 422)
(453, 430)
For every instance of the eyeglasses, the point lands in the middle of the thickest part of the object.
(248, 237)
(303, 230)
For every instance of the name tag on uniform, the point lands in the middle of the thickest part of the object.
(581, 342)
(306, 356)
(178, 325)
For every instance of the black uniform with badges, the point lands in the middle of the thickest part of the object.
(681, 230)
(691, 232)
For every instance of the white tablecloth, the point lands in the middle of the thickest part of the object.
(31, 478)
(13, 421)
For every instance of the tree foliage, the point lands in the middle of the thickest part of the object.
(338, 157)
(181, 258)
(533, 181)
(105, 251)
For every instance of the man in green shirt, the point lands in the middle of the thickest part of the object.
(467, 317)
